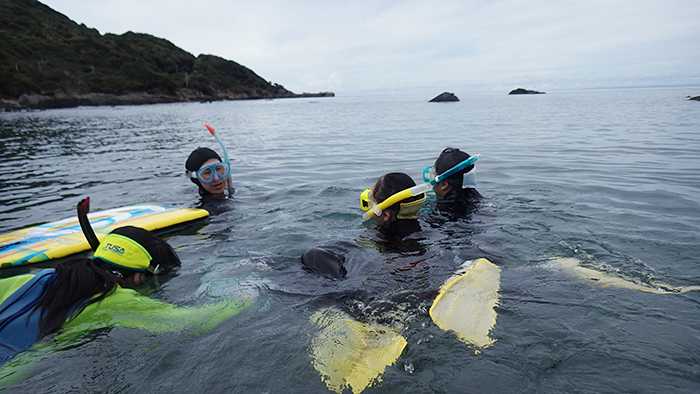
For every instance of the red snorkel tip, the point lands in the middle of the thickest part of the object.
(84, 206)
(211, 129)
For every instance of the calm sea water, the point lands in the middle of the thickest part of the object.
(611, 177)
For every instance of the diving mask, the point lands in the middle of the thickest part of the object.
(366, 202)
(212, 172)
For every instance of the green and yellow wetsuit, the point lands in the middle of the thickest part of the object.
(124, 308)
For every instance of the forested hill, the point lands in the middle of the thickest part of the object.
(48, 61)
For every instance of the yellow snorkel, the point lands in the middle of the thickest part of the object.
(376, 210)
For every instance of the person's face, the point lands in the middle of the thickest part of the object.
(214, 187)
(441, 188)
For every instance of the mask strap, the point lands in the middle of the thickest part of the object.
(409, 210)
(469, 179)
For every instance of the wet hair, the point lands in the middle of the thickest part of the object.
(449, 158)
(198, 157)
(390, 184)
(75, 282)
(79, 283)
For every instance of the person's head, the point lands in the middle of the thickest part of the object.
(206, 170)
(387, 186)
(134, 254)
(449, 158)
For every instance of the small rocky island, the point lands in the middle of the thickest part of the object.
(444, 97)
(524, 91)
(696, 98)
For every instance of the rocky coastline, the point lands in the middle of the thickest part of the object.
(38, 101)
(49, 61)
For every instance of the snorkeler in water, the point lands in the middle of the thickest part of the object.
(394, 201)
(390, 202)
(206, 170)
(82, 295)
(455, 172)
(459, 186)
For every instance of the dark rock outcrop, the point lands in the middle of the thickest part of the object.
(696, 98)
(524, 91)
(444, 97)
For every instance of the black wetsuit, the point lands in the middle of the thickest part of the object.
(459, 203)
(396, 237)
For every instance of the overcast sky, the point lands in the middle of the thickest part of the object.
(374, 46)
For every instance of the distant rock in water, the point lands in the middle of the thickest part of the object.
(446, 96)
(524, 91)
(696, 98)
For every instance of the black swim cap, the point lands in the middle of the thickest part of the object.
(198, 157)
(324, 262)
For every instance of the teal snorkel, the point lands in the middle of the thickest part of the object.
(229, 184)
(459, 167)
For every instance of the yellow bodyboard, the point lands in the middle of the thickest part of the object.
(65, 237)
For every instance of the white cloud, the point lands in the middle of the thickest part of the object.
(333, 82)
(368, 46)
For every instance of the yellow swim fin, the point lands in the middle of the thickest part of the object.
(348, 353)
(466, 303)
(601, 279)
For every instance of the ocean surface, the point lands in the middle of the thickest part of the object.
(610, 178)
